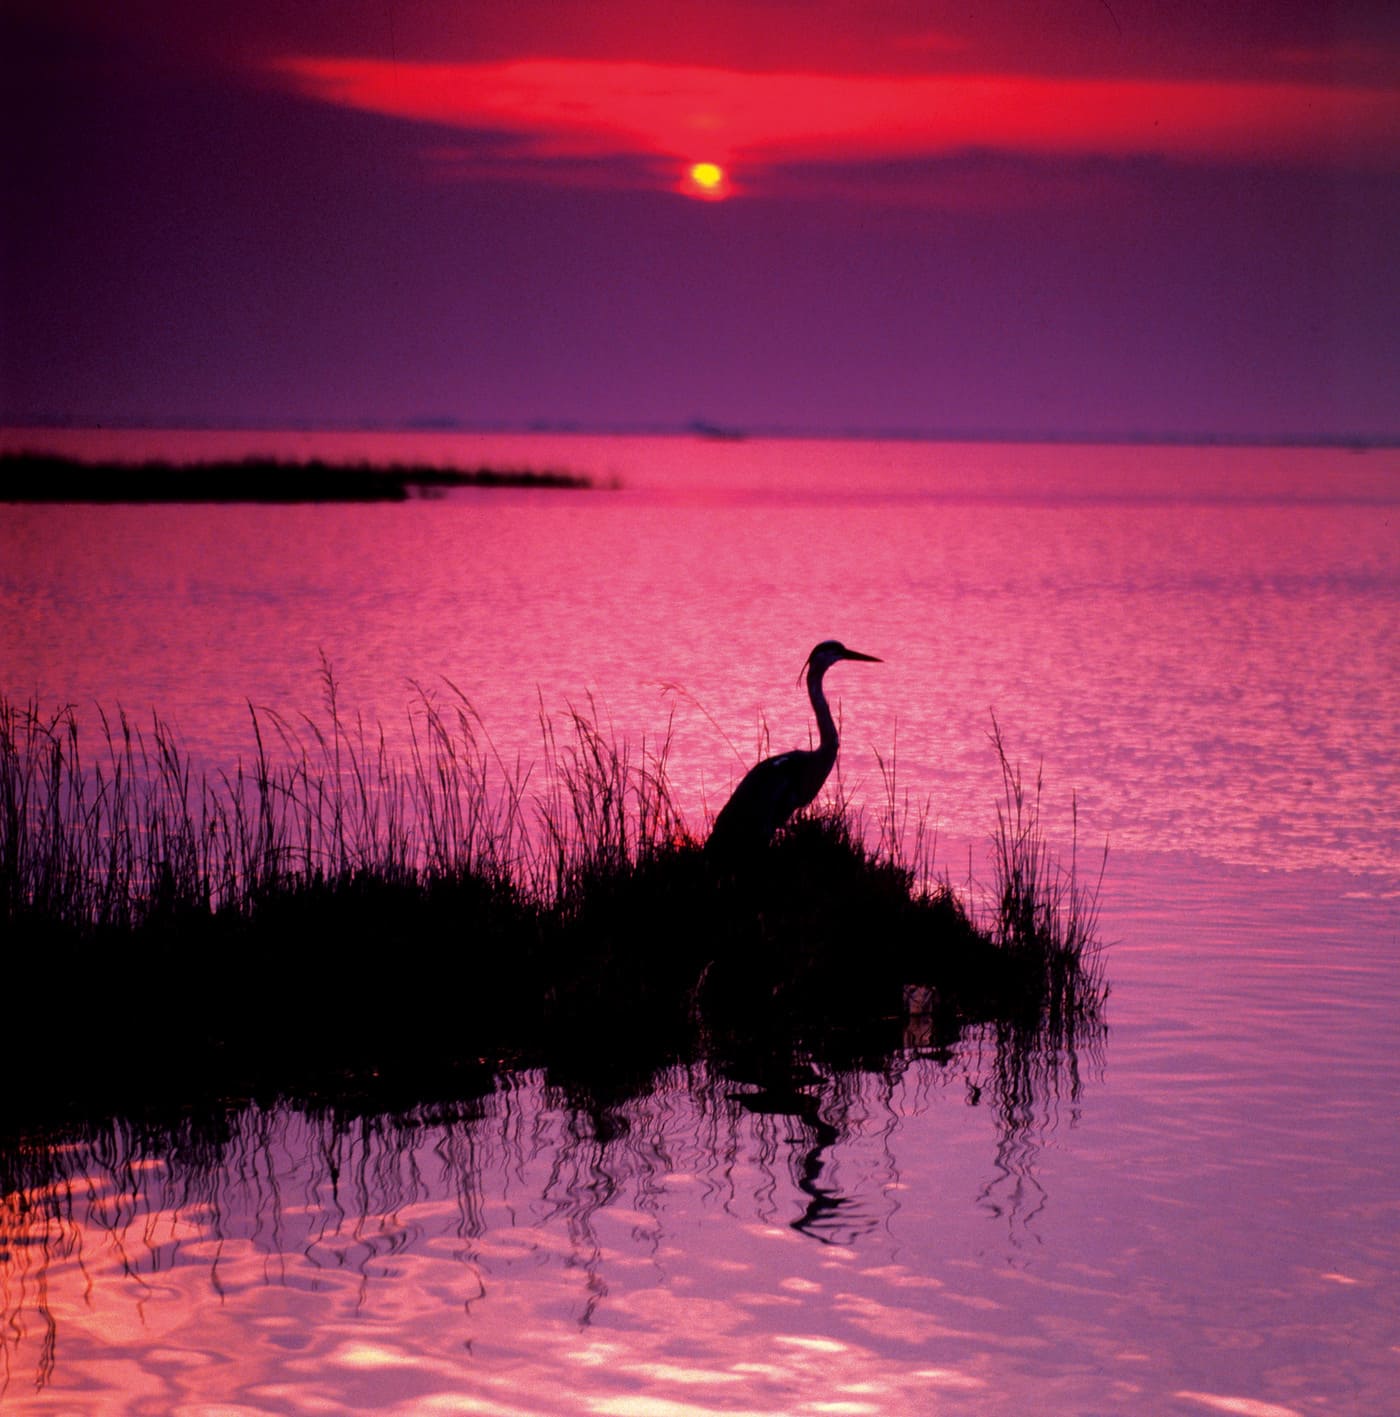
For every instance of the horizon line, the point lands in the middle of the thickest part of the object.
(714, 430)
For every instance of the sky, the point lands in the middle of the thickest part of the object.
(1103, 218)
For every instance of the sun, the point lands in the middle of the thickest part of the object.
(706, 179)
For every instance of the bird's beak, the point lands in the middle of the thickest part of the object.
(869, 658)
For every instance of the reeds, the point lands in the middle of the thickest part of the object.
(336, 907)
(127, 834)
(1038, 903)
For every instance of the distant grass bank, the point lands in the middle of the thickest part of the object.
(45, 477)
(328, 917)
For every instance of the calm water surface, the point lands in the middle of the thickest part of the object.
(1201, 1214)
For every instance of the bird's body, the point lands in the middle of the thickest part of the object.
(772, 790)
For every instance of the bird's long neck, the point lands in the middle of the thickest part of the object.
(826, 725)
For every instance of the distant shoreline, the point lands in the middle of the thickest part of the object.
(47, 477)
(706, 430)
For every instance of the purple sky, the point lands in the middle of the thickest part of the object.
(1115, 218)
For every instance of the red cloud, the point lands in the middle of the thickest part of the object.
(583, 108)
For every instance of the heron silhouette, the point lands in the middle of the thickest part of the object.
(773, 789)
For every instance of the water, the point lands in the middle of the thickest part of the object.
(1200, 644)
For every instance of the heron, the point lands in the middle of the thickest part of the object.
(773, 789)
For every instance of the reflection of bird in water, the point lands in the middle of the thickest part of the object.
(828, 1215)
(775, 788)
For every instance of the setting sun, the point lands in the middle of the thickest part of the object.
(706, 179)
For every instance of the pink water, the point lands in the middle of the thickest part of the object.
(1200, 644)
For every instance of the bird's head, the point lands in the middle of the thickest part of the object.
(828, 652)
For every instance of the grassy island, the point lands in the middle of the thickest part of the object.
(43, 477)
(328, 920)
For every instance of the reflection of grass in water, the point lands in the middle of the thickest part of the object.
(323, 1193)
(46, 477)
(333, 917)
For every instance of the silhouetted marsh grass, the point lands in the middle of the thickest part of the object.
(344, 953)
(335, 911)
(47, 477)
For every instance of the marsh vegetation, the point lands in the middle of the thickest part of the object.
(46, 477)
(332, 916)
